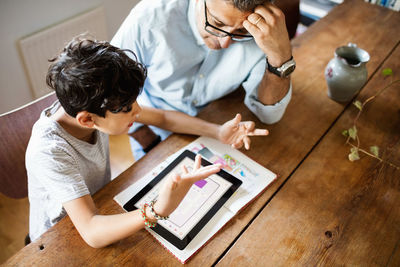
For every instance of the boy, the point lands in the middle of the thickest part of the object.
(67, 159)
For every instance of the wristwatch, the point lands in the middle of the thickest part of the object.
(283, 71)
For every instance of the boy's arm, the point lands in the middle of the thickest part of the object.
(99, 230)
(233, 132)
(102, 230)
(178, 122)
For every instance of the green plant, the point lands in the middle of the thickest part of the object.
(351, 134)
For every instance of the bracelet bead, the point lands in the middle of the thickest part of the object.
(158, 217)
(145, 219)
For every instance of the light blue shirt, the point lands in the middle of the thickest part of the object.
(183, 73)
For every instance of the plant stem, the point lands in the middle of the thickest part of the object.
(355, 123)
(380, 92)
(372, 155)
(372, 97)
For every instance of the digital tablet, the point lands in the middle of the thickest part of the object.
(200, 204)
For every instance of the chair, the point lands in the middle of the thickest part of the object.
(291, 9)
(15, 130)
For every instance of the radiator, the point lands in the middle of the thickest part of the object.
(37, 48)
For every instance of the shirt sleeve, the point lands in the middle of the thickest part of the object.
(268, 114)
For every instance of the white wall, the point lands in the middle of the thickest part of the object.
(19, 18)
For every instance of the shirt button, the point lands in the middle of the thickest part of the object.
(194, 102)
(201, 76)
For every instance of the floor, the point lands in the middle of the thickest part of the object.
(14, 212)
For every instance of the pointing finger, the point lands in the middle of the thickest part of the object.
(258, 132)
(184, 169)
(202, 173)
(247, 142)
(197, 162)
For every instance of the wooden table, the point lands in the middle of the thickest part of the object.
(322, 209)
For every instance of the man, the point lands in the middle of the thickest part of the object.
(197, 51)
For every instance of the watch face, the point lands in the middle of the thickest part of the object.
(288, 71)
(285, 70)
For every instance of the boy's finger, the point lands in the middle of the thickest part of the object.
(237, 145)
(209, 167)
(197, 162)
(202, 173)
(234, 123)
(184, 169)
(247, 142)
(249, 125)
(258, 132)
(237, 119)
(173, 181)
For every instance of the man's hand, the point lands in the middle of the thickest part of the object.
(177, 185)
(267, 25)
(237, 133)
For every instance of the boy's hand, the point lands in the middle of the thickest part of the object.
(237, 133)
(177, 185)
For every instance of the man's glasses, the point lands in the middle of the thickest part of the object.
(221, 33)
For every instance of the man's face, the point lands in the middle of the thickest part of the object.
(221, 14)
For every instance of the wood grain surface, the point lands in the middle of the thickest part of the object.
(333, 212)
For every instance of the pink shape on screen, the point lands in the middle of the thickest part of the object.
(201, 183)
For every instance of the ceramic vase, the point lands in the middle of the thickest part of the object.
(346, 73)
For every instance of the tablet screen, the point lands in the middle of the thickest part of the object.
(201, 202)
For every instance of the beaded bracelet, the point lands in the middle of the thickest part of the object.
(145, 219)
(158, 217)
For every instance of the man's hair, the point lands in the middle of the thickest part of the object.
(94, 76)
(247, 5)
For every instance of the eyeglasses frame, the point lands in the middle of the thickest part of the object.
(233, 36)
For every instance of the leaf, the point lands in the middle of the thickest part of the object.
(374, 150)
(345, 133)
(358, 104)
(353, 132)
(387, 72)
(353, 156)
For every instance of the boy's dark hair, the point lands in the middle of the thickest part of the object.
(95, 76)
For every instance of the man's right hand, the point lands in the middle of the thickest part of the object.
(146, 138)
(267, 25)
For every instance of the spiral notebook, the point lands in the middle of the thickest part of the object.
(254, 180)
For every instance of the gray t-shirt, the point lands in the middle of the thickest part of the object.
(61, 168)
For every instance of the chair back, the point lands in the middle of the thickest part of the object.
(15, 131)
(291, 9)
